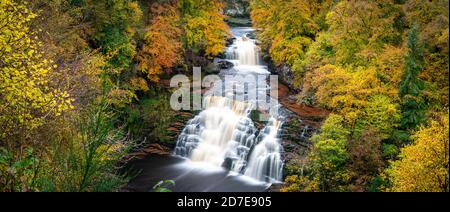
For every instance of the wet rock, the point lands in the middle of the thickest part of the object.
(285, 74)
(239, 22)
(230, 41)
(225, 64)
(156, 149)
(221, 56)
(237, 8)
(227, 163)
(276, 187)
(252, 35)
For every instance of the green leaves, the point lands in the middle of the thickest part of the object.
(17, 173)
(162, 186)
(114, 21)
(411, 86)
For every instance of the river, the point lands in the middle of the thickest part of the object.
(221, 149)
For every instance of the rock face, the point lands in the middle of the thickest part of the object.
(237, 8)
(225, 64)
(297, 130)
(285, 74)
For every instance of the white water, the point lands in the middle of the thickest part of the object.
(223, 134)
(244, 52)
(265, 161)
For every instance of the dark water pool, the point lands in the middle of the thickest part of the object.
(188, 176)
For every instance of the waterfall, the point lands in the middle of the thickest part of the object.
(265, 160)
(244, 51)
(216, 132)
(224, 135)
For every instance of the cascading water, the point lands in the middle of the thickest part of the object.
(244, 51)
(265, 160)
(224, 135)
(211, 136)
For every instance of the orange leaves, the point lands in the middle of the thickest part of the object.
(162, 48)
(199, 25)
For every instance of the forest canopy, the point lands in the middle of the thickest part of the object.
(381, 68)
(84, 84)
(77, 75)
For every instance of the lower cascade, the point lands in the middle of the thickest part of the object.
(224, 135)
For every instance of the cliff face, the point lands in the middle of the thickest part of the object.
(237, 8)
(285, 75)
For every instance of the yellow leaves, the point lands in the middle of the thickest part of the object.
(108, 151)
(361, 28)
(26, 98)
(423, 165)
(139, 84)
(390, 68)
(287, 27)
(342, 89)
(288, 50)
(298, 183)
(120, 97)
(8, 49)
(205, 28)
(355, 93)
(136, 10)
(30, 53)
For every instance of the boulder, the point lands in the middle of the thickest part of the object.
(225, 64)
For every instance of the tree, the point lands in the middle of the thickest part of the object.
(293, 35)
(329, 156)
(113, 22)
(381, 114)
(365, 161)
(204, 26)
(162, 44)
(423, 165)
(360, 29)
(411, 86)
(344, 90)
(27, 98)
(432, 19)
(64, 39)
(288, 27)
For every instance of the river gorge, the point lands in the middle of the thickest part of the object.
(221, 148)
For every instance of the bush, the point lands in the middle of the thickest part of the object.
(83, 158)
(88, 162)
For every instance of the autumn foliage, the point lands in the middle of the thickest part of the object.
(27, 98)
(369, 63)
(423, 165)
(176, 26)
(79, 84)
(162, 46)
(204, 26)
